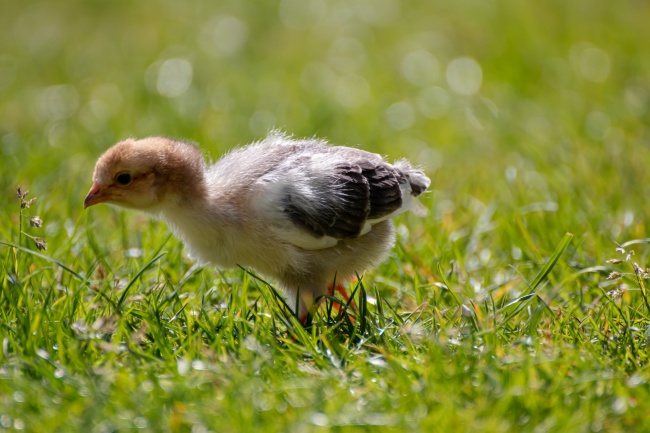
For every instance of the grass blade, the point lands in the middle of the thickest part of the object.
(523, 301)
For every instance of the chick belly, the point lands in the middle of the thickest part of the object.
(324, 268)
(304, 275)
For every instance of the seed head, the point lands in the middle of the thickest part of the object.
(41, 244)
(614, 275)
(21, 195)
(640, 271)
(615, 294)
(615, 261)
(36, 221)
(25, 204)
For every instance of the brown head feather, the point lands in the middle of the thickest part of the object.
(160, 169)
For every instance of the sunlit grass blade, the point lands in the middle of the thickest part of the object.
(133, 280)
(523, 301)
(48, 258)
(448, 285)
(551, 262)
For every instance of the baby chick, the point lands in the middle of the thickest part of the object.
(300, 212)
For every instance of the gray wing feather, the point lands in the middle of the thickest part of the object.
(314, 194)
(385, 195)
(347, 197)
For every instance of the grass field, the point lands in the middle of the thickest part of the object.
(501, 310)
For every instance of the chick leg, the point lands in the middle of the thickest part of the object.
(341, 291)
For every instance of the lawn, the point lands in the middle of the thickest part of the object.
(518, 303)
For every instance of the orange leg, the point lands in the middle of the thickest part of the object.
(304, 317)
(344, 294)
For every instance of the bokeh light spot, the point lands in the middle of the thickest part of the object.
(223, 35)
(433, 102)
(58, 102)
(174, 77)
(106, 100)
(378, 11)
(261, 122)
(636, 100)
(464, 75)
(590, 62)
(400, 115)
(352, 91)
(301, 14)
(420, 67)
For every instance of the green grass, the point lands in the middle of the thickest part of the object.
(494, 313)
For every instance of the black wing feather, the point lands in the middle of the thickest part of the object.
(343, 200)
(385, 193)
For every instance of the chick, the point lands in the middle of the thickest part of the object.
(300, 212)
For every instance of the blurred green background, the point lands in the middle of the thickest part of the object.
(531, 118)
(551, 96)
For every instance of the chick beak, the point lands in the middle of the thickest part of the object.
(95, 195)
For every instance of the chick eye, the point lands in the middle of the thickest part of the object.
(123, 179)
